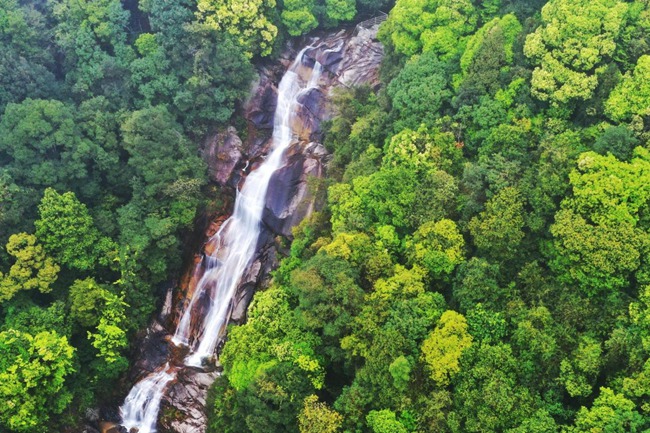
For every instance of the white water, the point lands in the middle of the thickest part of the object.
(235, 245)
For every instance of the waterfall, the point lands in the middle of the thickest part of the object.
(234, 249)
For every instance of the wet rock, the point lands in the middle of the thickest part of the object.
(166, 309)
(182, 409)
(109, 427)
(242, 299)
(362, 58)
(290, 201)
(92, 414)
(312, 113)
(223, 152)
(286, 183)
(153, 350)
(110, 414)
(251, 274)
(259, 109)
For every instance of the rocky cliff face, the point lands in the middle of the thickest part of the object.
(349, 58)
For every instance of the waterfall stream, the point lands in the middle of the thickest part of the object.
(200, 329)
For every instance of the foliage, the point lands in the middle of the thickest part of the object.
(632, 96)
(246, 20)
(67, 231)
(610, 412)
(570, 46)
(33, 369)
(439, 25)
(444, 347)
(32, 269)
(497, 230)
(316, 417)
(479, 263)
(609, 197)
(420, 90)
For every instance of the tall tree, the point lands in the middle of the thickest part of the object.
(416, 26)
(570, 47)
(33, 370)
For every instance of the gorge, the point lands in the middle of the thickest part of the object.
(273, 198)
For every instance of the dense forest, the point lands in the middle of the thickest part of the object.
(481, 262)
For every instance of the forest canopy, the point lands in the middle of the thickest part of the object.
(480, 261)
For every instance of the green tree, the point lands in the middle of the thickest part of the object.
(632, 95)
(151, 72)
(270, 337)
(619, 140)
(68, 232)
(415, 26)
(248, 21)
(298, 17)
(486, 58)
(598, 243)
(110, 337)
(26, 60)
(487, 393)
(93, 36)
(340, 10)
(444, 347)
(86, 299)
(316, 417)
(610, 412)
(571, 46)
(438, 247)
(33, 370)
(400, 369)
(423, 151)
(498, 230)
(420, 90)
(384, 421)
(42, 146)
(579, 372)
(166, 186)
(32, 268)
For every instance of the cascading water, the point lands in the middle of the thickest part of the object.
(222, 270)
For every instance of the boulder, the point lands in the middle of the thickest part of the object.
(152, 350)
(183, 408)
(223, 152)
(290, 201)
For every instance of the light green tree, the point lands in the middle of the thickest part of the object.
(498, 230)
(246, 20)
(610, 412)
(437, 247)
(384, 421)
(579, 371)
(444, 347)
(599, 237)
(68, 232)
(416, 26)
(86, 299)
(632, 95)
(570, 46)
(298, 16)
(316, 417)
(110, 336)
(33, 370)
(32, 268)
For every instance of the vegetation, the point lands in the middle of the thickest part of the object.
(481, 262)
